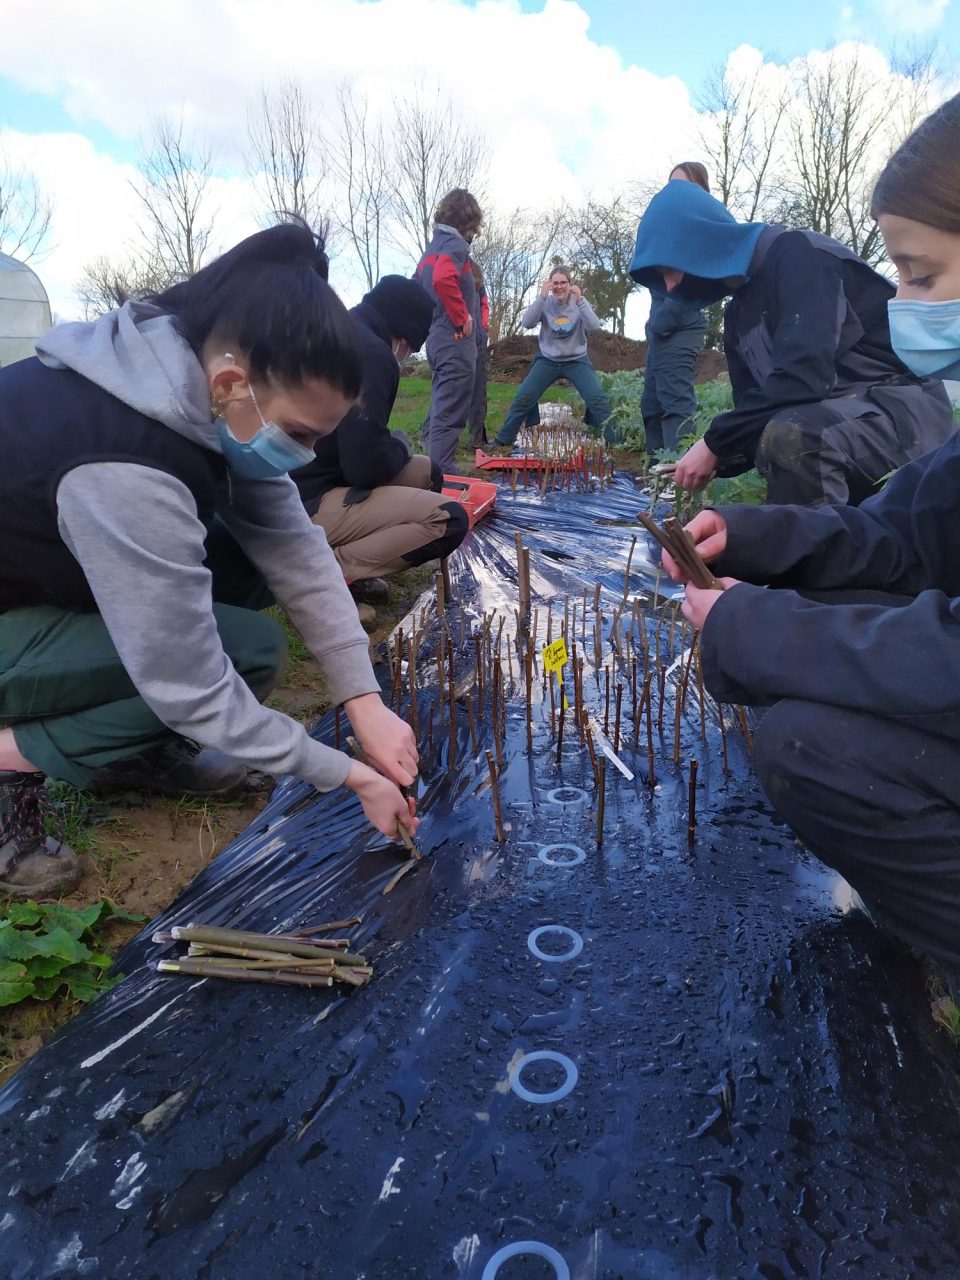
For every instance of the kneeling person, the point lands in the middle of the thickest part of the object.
(823, 407)
(381, 508)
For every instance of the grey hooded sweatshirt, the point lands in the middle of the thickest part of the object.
(563, 326)
(136, 534)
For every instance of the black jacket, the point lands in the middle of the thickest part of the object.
(51, 421)
(761, 645)
(361, 453)
(810, 323)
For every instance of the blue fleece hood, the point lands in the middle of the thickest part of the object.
(688, 230)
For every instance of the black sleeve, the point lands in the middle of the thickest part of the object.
(369, 455)
(759, 646)
(805, 305)
(904, 540)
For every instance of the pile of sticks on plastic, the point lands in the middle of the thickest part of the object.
(294, 959)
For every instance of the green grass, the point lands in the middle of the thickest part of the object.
(74, 815)
(413, 401)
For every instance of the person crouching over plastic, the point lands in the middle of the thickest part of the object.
(121, 441)
(823, 407)
(856, 640)
(380, 505)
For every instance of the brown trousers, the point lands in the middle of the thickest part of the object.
(371, 538)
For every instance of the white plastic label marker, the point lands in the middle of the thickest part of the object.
(606, 746)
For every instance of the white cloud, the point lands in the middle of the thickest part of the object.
(596, 125)
(553, 135)
(915, 17)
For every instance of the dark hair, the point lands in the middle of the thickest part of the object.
(477, 270)
(558, 269)
(921, 180)
(694, 171)
(268, 297)
(460, 209)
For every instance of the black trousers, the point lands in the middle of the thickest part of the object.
(839, 451)
(878, 799)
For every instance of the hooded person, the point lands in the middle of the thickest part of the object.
(381, 506)
(121, 443)
(674, 331)
(844, 622)
(823, 407)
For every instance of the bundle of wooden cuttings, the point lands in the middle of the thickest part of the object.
(299, 959)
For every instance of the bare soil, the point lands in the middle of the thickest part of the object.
(610, 353)
(139, 852)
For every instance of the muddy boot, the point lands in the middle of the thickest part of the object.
(32, 864)
(175, 769)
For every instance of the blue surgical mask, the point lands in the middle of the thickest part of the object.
(271, 452)
(926, 336)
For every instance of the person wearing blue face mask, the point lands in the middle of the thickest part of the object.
(822, 405)
(847, 619)
(126, 444)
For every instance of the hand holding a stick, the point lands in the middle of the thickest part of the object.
(388, 741)
(708, 532)
(386, 807)
(696, 468)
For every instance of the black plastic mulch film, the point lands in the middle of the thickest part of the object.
(746, 1080)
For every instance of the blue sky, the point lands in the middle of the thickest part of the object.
(689, 37)
(572, 98)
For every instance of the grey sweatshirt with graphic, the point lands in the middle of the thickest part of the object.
(563, 326)
(135, 533)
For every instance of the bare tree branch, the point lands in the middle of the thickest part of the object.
(174, 179)
(358, 158)
(287, 157)
(105, 284)
(433, 151)
(25, 213)
(741, 132)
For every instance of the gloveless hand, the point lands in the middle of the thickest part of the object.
(696, 468)
(386, 808)
(387, 741)
(709, 533)
(698, 601)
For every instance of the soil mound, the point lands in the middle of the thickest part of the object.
(610, 353)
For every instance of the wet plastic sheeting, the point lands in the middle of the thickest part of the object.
(759, 1091)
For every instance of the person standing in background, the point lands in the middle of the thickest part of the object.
(565, 318)
(675, 331)
(477, 418)
(445, 272)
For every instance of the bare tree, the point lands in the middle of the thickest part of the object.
(358, 158)
(106, 284)
(433, 151)
(598, 242)
(847, 116)
(173, 186)
(287, 156)
(25, 212)
(513, 253)
(802, 144)
(840, 112)
(741, 134)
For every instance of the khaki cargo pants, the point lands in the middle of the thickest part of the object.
(383, 533)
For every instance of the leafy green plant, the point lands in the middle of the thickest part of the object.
(624, 389)
(46, 947)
